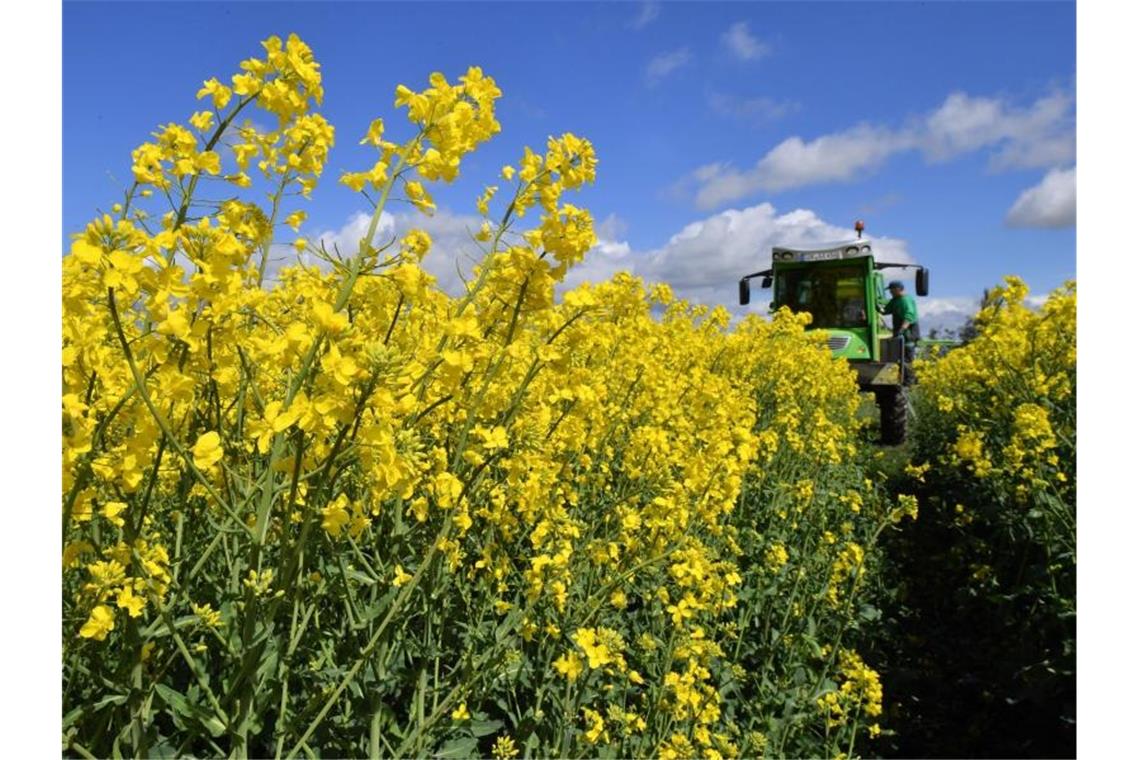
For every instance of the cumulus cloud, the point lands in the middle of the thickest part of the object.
(665, 64)
(1050, 203)
(742, 44)
(613, 227)
(794, 163)
(1041, 135)
(705, 259)
(646, 14)
(945, 313)
(452, 255)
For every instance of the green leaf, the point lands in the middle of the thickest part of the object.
(163, 750)
(465, 746)
(114, 699)
(173, 699)
(484, 727)
(360, 577)
(187, 709)
(71, 717)
(213, 725)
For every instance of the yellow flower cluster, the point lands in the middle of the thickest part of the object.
(132, 576)
(331, 451)
(846, 573)
(1008, 394)
(859, 693)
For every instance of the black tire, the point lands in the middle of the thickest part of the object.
(892, 414)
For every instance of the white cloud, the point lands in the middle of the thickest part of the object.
(343, 242)
(945, 313)
(450, 259)
(611, 228)
(665, 64)
(742, 44)
(646, 15)
(757, 110)
(704, 260)
(602, 262)
(454, 250)
(1038, 136)
(1041, 135)
(346, 240)
(1050, 203)
(794, 163)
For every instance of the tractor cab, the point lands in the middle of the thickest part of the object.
(842, 287)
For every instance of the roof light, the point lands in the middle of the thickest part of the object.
(859, 228)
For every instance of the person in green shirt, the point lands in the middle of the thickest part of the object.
(904, 322)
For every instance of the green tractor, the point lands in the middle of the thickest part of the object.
(842, 287)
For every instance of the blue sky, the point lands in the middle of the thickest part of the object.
(721, 128)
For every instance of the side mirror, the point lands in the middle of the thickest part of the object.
(766, 282)
(745, 293)
(922, 281)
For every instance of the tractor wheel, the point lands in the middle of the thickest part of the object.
(892, 414)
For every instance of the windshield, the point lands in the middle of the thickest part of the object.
(834, 296)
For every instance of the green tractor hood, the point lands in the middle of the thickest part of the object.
(848, 344)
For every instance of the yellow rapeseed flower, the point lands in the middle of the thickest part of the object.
(207, 450)
(401, 577)
(99, 624)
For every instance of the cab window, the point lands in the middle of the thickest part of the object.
(834, 296)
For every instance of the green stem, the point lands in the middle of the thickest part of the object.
(397, 605)
(266, 244)
(140, 385)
